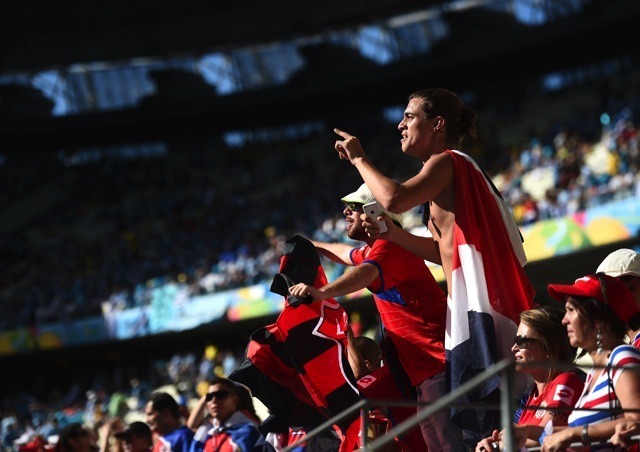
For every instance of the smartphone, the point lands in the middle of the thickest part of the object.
(373, 211)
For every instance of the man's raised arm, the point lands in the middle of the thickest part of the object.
(337, 252)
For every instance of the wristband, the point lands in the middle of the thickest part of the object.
(585, 435)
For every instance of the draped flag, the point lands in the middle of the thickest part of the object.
(489, 287)
(298, 366)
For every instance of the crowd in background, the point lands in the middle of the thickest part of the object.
(121, 392)
(110, 395)
(216, 219)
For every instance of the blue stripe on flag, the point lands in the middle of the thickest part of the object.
(471, 358)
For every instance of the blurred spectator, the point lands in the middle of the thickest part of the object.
(232, 419)
(165, 420)
(76, 438)
(136, 437)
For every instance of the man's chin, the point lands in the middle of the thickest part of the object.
(355, 234)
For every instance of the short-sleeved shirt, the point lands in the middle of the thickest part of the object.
(603, 395)
(380, 385)
(411, 304)
(239, 433)
(178, 440)
(563, 391)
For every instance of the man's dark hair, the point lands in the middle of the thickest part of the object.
(460, 119)
(245, 399)
(162, 400)
(69, 432)
(369, 349)
(592, 310)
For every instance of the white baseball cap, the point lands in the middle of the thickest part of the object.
(621, 262)
(364, 196)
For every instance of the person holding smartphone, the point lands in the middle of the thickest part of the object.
(472, 234)
(412, 309)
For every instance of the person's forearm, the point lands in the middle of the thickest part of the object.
(531, 431)
(356, 361)
(352, 281)
(196, 416)
(337, 252)
(383, 188)
(601, 432)
(423, 247)
(104, 442)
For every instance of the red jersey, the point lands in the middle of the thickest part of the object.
(412, 307)
(562, 391)
(380, 385)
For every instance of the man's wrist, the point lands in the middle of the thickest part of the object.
(584, 437)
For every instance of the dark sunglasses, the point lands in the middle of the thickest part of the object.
(220, 395)
(354, 206)
(522, 342)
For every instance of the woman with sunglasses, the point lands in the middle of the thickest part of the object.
(598, 309)
(234, 424)
(541, 349)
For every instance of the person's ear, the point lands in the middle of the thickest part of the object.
(438, 123)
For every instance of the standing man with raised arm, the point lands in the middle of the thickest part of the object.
(473, 235)
(412, 311)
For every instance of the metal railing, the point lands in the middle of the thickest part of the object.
(504, 368)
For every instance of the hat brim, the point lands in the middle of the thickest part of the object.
(352, 198)
(559, 291)
(621, 274)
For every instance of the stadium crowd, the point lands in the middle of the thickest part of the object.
(216, 219)
(124, 226)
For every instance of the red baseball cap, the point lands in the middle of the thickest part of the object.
(617, 295)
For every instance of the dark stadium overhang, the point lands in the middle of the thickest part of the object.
(485, 50)
(41, 34)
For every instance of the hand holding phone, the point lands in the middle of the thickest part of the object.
(373, 211)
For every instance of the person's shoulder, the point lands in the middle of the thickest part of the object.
(392, 252)
(383, 244)
(444, 157)
(568, 378)
(374, 379)
(246, 426)
(625, 355)
(184, 432)
(625, 348)
(625, 352)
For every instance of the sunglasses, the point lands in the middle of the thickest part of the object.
(354, 206)
(220, 395)
(522, 342)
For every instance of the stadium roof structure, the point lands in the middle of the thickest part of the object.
(46, 34)
(484, 46)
